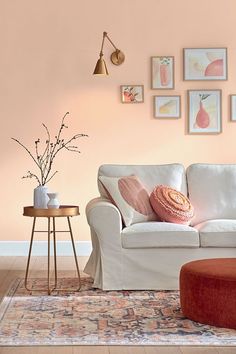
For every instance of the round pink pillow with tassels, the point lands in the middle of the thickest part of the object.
(171, 205)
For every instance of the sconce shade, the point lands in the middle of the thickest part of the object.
(117, 58)
(100, 68)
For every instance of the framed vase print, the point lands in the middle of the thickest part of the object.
(204, 111)
(162, 72)
(167, 107)
(205, 64)
(132, 93)
(233, 108)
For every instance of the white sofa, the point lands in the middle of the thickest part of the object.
(149, 255)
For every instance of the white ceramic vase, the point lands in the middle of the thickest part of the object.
(40, 197)
(53, 202)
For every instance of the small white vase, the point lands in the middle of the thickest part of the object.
(53, 202)
(40, 197)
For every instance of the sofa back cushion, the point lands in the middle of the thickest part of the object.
(212, 191)
(172, 175)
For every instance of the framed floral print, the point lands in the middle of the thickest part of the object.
(204, 111)
(132, 93)
(162, 72)
(233, 108)
(205, 64)
(167, 107)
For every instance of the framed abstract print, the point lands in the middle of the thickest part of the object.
(167, 107)
(205, 64)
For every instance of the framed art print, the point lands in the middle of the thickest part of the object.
(204, 111)
(167, 106)
(233, 108)
(162, 72)
(205, 64)
(132, 93)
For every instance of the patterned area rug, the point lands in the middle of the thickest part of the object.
(96, 317)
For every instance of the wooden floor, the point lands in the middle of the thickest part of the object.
(13, 267)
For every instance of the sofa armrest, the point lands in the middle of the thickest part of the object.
(105, 264)
(104, 217)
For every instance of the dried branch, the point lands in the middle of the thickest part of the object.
(31, 175)
(47, 141)
(26, 150)
(45, 160)
(52, 176)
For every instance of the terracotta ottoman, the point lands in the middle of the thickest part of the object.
(208, 291)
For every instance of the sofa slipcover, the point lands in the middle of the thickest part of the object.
(150, 255)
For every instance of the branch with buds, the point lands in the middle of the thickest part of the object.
(44, 160)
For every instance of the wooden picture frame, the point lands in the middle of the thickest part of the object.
(162, 73)
(205, 64)
(167, 107)
(132, 93)
(233, 108)
(204, 112)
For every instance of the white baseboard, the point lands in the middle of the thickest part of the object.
(40, 248)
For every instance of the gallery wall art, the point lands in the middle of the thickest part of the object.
(162, 69)
(205, 64)
(132, 93)
(167, 107)
(233, 108)
(204, 111)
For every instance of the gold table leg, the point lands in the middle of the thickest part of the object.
(55, 251)
(53, 231)
(74, 251)
(29, 255)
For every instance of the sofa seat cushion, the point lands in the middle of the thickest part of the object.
(217, 233)
(159, 235)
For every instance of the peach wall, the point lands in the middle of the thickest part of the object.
(48, 52)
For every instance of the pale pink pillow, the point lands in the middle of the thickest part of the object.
(130, 197)
(171, 205)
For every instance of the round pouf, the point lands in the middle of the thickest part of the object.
(208, 291)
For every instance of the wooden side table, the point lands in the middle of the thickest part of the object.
(51, 214)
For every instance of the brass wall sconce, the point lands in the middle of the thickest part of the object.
(116, 57)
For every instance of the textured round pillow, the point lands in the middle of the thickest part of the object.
(171, 205)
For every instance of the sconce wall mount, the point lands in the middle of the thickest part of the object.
(117, 58)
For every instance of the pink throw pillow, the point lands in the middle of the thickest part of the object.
(130, 197)
(171, 205)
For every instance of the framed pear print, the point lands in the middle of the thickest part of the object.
(204, 111)
(162, 72)
(205, 64)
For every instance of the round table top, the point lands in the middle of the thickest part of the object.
(63, 210)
